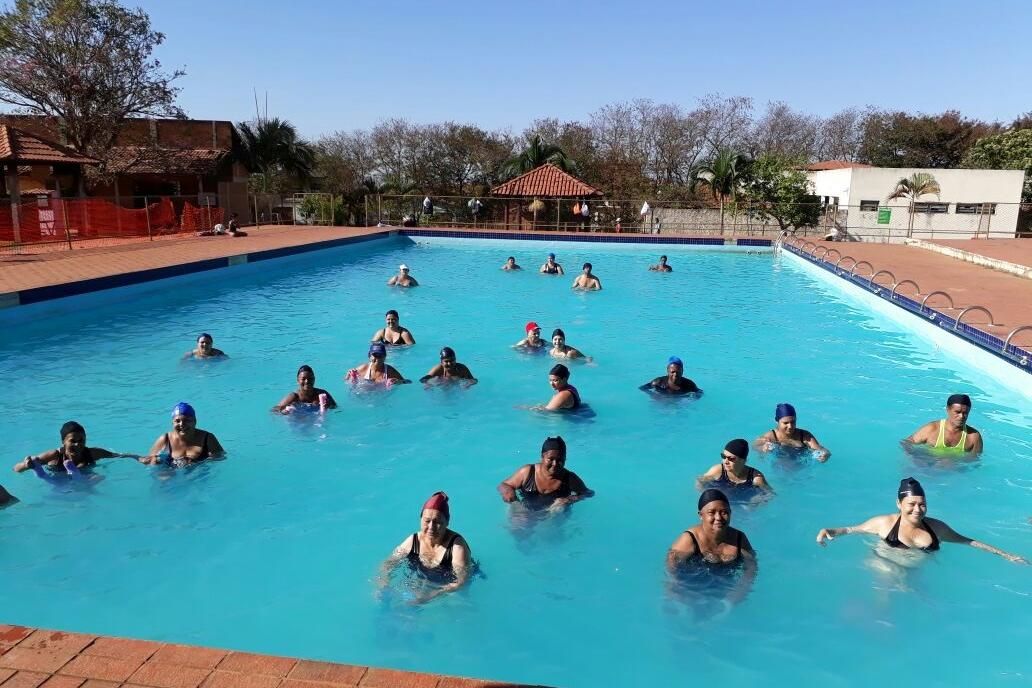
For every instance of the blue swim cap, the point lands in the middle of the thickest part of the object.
(675, 360)
(784, 409)
(378, 349)
(184, 409)
(551, 255)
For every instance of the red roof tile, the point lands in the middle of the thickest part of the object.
(144, 160)
(546, 180)
(22, 147)
(833, 165)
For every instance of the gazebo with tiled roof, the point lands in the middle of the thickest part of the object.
(544, 182)
(20, 149)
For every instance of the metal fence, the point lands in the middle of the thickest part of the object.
(880, 223)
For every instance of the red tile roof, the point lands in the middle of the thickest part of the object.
(546, 180)
(22, 147)
(144, 160)
(833, 165)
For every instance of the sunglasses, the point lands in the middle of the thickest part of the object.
(728, 457)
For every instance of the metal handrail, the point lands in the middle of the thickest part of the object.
(974, 308)
(897, 285)
(870, 281)
(827, 256)
(1007, 341)
(814, 252)
(802, 249)
(933, 294)
(842, 259)
(856, 265)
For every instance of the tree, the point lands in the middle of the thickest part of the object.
(536, 154)
(724, 174)
(87, 63)
(898, 139)
(777, 189)
(913, 187)
(1011, 150)
(271, 148)
(785, 132)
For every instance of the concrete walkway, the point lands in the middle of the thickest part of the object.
(1007, 296)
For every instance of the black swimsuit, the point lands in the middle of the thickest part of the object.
(725, 481)
(661, 384)
(443, 570)
(699, 557)
(205, 452)
(530, 493)
(552, 269)
(804, 436)
(892, 539)
(85, 461)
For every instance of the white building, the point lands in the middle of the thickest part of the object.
(971, 203)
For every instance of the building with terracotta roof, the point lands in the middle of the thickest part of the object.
(544, 182)
(156, 157)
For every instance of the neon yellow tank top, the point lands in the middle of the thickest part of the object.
(940, 443)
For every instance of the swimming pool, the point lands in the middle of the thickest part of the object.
(275, 549)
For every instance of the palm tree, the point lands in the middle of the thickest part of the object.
(912, 188)
(270, 146)
(535, 155)
(724, 174)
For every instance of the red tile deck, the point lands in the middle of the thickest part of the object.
(1008, 297)
(53, 659)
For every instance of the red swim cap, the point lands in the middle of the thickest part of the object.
(531, 326)
(438, 501)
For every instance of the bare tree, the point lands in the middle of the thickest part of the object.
(725, 121)
(88, 63)
(785, 132)
(842, 135)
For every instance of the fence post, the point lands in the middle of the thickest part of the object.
(257, 224)
(64, 214)
(379, 208)
(146, 212)
(207, 211)
(558, 212)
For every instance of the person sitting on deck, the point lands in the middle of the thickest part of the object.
(950, 435)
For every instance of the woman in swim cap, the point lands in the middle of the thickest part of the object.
(205, 349)
(559, 347)
(787, 435)
(437, 553)
(566, 397)
(307, 393)
(547, 483)
(73, 450)
(714, 547)
(186, 444)
(550, 267)
(909, 529)
(533, 339)
(449, 369)
(673, 382)
(376, 370)
(731, 473)
(393, 334)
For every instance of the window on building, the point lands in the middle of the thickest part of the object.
(976, 209)
(931, 207)
(868, 206)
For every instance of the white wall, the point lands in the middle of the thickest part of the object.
(832, 183)
(1002, 187)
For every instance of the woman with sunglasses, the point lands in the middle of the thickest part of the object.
(731, 474)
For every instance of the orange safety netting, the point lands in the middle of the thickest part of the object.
(88, 218)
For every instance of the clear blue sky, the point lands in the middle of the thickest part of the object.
(346, 65)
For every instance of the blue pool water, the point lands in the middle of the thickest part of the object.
(275, 549)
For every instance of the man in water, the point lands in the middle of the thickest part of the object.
(449, 369)
(661, 266)
(673, 382)
(533, 339)
(403, 278)
(550, 267)
(510, 264)
(586, 280)
(952, 434)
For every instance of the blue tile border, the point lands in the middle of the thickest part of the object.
(58, 291)
(1016, 356)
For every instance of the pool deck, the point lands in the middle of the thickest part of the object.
(32, 657)
(1007, 296)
